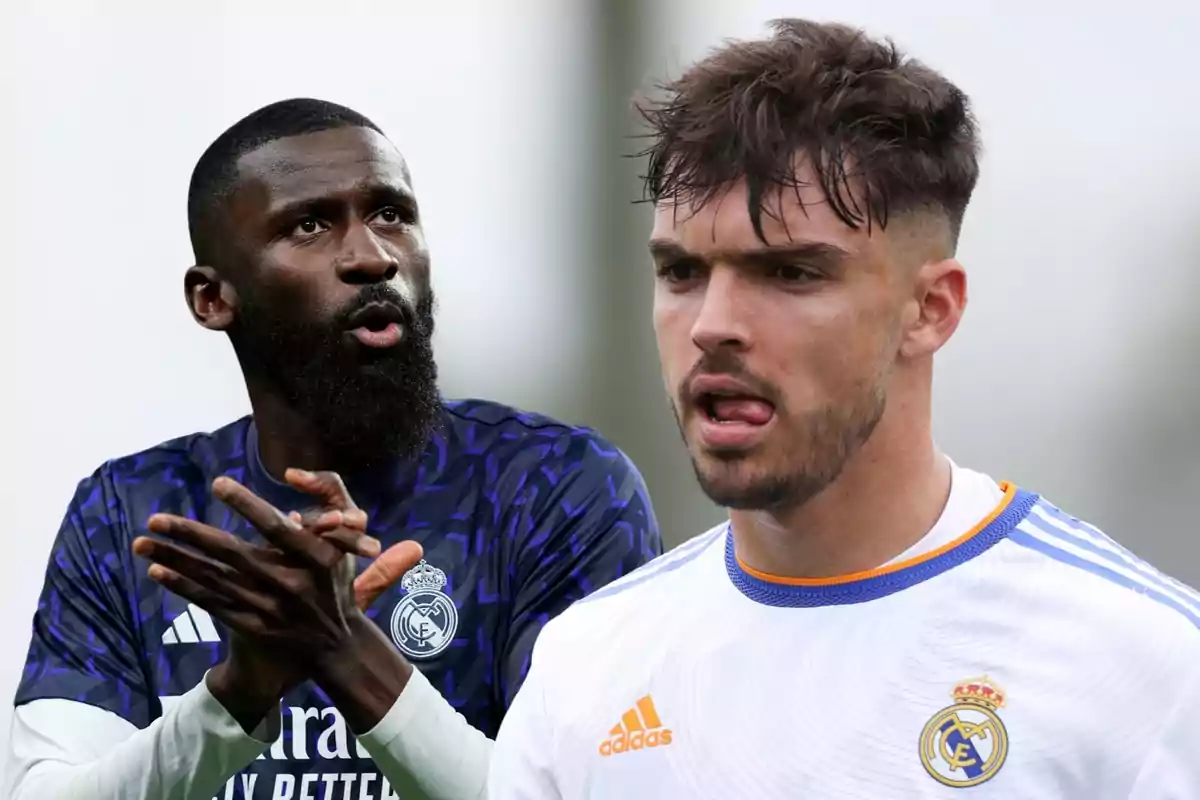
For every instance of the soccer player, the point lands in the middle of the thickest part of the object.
(874, 620)
(310, 257)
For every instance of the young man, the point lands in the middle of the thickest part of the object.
(874, 620)
(310, 256)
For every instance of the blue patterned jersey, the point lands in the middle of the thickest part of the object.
(519, 516)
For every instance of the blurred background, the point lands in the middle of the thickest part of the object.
(1075, 372)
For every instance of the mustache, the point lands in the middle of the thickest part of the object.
(415, 319)
(727, 363)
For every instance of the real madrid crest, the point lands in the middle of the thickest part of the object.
(966, 743)
(424, 622)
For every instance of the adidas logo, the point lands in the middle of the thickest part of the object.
(192, 626)
(640, 727)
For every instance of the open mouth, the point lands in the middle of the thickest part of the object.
(729, 408)
(376, 316)
(378, 325)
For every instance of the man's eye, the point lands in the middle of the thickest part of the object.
(792, 273)
(393, 216)
(309, 226)
(677, 272)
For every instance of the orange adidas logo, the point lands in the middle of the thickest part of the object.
(639, 727)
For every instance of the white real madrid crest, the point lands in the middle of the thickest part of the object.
(966, 743)
(424, 622)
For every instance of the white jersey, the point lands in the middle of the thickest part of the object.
(1023, 656)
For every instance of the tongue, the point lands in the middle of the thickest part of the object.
(742, 409)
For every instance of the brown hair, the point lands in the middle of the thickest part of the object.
(880, 129)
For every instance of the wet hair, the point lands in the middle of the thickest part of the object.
(884, 134)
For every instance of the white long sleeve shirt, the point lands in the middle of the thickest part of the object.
(69, 750)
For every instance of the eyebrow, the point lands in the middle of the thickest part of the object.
(377, 194)
(812, 252)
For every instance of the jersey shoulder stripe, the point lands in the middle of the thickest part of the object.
(1052, 518)
(667, 562)
(1055, 534)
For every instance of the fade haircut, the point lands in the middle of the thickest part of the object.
(215, 174)
(884, 134)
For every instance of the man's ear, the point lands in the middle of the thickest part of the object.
(211, 299)
(939, 301)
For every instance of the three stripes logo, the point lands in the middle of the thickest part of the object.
(640, 727)
(193, 626)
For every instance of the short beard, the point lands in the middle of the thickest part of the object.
(819, 451)
(366, 407)
(808, 453)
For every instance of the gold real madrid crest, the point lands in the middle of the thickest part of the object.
(966, 743)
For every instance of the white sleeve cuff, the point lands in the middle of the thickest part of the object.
(423, 745)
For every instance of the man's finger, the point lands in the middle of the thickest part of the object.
(326, 486)
(385, 571)
(179, 559)
(277, 528)
(352, 541)
(216, 544)
(223, 584)
(331, 527)
(242, 621)
(329, 519)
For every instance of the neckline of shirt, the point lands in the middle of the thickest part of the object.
(929, 558)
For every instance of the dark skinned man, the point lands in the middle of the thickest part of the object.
(311, 258)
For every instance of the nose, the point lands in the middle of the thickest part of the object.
(364, 258)
(724, 318)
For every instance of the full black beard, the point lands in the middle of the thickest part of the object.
(367, 407)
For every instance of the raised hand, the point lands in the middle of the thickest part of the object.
(331, 492)
(288, 604)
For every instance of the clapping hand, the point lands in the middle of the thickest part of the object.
(290, 603)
